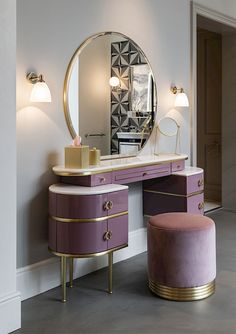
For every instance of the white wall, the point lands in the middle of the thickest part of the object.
(162, 30)
(9, 298)
(47, 48)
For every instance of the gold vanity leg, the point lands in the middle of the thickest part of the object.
(110, 262)
(63, 278)
(71, 271)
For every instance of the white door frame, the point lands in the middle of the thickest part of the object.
(197, 9)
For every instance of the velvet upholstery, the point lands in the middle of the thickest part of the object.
(181, 249)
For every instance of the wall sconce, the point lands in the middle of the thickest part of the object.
(181, 99)
(114, 82)
(40, 91)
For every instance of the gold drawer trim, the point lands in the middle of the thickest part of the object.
(182, 294)
(87, 220)
(172, 194)
(88, 254)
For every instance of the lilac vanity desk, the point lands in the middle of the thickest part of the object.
(89, 208)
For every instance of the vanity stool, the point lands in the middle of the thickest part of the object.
(181, 256)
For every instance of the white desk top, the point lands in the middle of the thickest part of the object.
(188, 171)
(120, 163)
(68, 189)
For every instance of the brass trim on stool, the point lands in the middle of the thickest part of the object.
(182, 294)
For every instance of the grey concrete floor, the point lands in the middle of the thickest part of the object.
(132, 308)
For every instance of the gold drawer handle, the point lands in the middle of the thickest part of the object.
(201, 205)
(200, 183)
(102, 179)
(108, 205)
(107, 235)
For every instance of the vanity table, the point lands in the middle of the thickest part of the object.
(89, 207)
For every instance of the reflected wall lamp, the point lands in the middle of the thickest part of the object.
(181, 99)
(40, 91)
(115, 84)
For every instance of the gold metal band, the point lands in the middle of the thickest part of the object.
(182, 294)
(87, 220)
(109, 169)
(82, 173)
(172, 194)
(81, 256)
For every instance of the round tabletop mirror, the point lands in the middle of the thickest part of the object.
(168, 126)
(110, 94)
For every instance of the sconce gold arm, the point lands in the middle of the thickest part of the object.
(175, 90)
(34, 78)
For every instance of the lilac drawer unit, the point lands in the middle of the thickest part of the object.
(155, 203)
(141, 173)
(90, 237)
(183, 183)
(87, 222)
(181, 191)
(81, 216)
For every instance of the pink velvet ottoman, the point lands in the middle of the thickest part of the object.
(181, 256)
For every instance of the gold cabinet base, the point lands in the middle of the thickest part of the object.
(182, 294)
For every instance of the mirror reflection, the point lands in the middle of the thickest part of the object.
(110, 95)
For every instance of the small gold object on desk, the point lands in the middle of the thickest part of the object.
(94, 156)
(77, 156)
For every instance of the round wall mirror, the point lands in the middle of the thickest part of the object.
(110, 94)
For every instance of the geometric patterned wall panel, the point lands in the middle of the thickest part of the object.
(123, 55)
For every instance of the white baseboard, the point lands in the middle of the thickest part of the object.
(45, 275)
(10, 312)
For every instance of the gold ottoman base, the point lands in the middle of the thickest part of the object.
(182, 294)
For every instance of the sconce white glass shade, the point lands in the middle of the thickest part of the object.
(40, 93)
(181, 100)
(114, 82)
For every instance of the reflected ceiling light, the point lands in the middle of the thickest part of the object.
(114, 82)
(40, 91)
(181, 99)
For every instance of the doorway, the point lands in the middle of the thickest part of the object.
(214, 61)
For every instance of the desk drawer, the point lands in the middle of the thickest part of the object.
(87, 207)
(156, 203)
(195, 183)
(88, 180)
(119, 228)
(81, 238)
(141, 173)
(117, 202)
(86, 238)
(177, 184)
(77, 206)
(100, 179)
(177, 165)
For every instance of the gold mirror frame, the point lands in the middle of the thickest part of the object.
(69, 71)
(172, 134)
